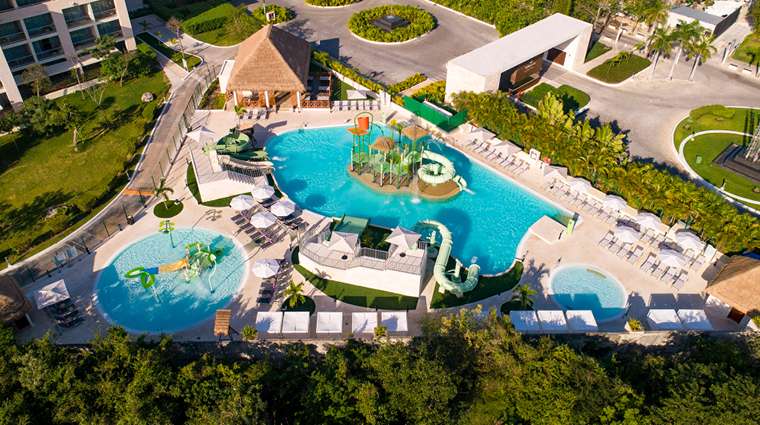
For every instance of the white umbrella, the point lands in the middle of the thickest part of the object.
(262, 192)
(689, 240)
(627, 234)
(615, 202)
(201, 134)
(554, 172)
(262, 220)
(480, 135)
(283, 208)
(579, 184)
(356, 94)
(505, 148)
(242, 202)
(343, 242)
(266, 267)
(51, 294)
(671, 258)
(402, 237)
(648, 220)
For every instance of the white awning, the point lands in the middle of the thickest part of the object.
(480, 135)
(51, 294)
(525, 321)
(695, 319)
(402, 237)
(363, 322)
(663, 320)
(330, 322)
(269, 321)
(552, 321)
(395, 321)
(554, 172)
(202, 134)
(343, 242)
(295, 322)
(581, 321)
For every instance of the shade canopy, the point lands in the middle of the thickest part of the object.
(271, 60)
(525, 321)
(648, 220)
(51, 294)
(415, 132)
(663, 319)
(356, 94)
(266, 267)
(201, 134)
(615, 202)
(581, 321)
(329, 322)
(13, 303)
(343, 242)
(579, 184)
(505, 147)
(363, 322)
(554, 172)
(402, 237)
(269, 321)
(671, 258)
(283, 208)
(263, 191)
(394, 321)
(695, 319)
(552, 321)
(263, 219)
(295, 322)
(242, 202)
(383, 144)
(689, 240)
(627, 234)
(480, 135)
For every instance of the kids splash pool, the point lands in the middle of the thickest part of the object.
(487, 220)
(183, 289)
(585, 287)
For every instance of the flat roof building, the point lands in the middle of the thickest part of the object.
(717, 18)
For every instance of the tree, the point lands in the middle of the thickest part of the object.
(70, 117)
(656, 14)
(659, 41)
(702, 48)
(685, 34)
(8, 122)
(96, 92)
(163, 191)
(637, 10)
(524, 295)
(75, 70)
(240, 24)
(175, 25)
(37, 78)
(103, 47)
(145, 25)
(295, 292)
(117, 65)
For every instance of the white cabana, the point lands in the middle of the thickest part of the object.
(356, 94)
(579, 184)
(263, 219)
(395, 321)
(202, 134)
(269, 321)
(554, 172)
(262, 192)
(51, 294)
(552, 321)
(525, 321)
(283, 208)
(627, 234)
(343, 242)
(505, 147)
(648, 220)
(404, 238)
(242, 202)
(581, 321)
(695, 319)
(663, 320)
(295, 322)
(671, 258)
(480, 135)
(329, 322)
(266, 267)
(615, 202)
(362, 323)
(689, 240)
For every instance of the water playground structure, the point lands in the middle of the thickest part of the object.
(387, 163)
(238, 146)
(449, 280)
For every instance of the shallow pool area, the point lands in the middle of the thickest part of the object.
(487, 221)
(586, 287)
(171, 304)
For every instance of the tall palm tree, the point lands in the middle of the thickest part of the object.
(659, 41)
(523, 295)
(656, 14)
(701, 49)
(163, 191)
(295, 292)
(637, 10)
(685, 34)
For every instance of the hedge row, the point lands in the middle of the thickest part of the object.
(717, 110)
(405, 84)
(420, 22)
(281, 14)
(330, 3)
(208, 20)
(165, 9)
(325, 59)
(433, 93)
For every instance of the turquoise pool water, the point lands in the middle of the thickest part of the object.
(588, 288)
(487, 222)
(124, 301)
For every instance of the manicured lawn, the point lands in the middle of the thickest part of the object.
(217, 37)
(174, 209)
(47, 172)
(174, 55)
(308, 305)
(744, 120)
(488, 286)
(356, 295)
(613, 73)
(572, 98)
(749, 50)
(597, 49)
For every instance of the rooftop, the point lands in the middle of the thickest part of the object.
(696, 14)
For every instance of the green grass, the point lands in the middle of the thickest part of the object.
(597, 49)
(174, 55)
(744, 120)
(572, 98)
(174, 209)
(308, 305)
(487, 287)
(272, 183)
(217, 37)
(192, 184)
(749, 50)
(356, 295)
(213, 98)
(613, 73)
(45, 171)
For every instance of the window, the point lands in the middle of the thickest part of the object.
(47, 48)
(11, 33)
(103, 9)
(18, 56)
(39, 25)
(6, 5)
(22, 3)
(76, 16)
(112, 28)
(82, 38)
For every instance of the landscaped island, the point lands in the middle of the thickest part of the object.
(391, 24)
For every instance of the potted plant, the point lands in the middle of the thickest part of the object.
(249, 333)
(633, 325)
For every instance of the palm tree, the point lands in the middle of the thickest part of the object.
(685, 34)
(656, 14)
(163, 191)
(638, 10)
(175, 25)
(295, 292)
(660, 42)
(523, 295)
(702, 49)
(145, 25)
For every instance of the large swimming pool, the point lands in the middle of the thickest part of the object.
(174, 305)
(487, 222)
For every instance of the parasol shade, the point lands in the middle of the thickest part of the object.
(415, 132)
(265, 267)
(403, 238)
(343, 242)
(51, 294)
(283, 208)
(242, 202)
(383, 144)
(262, 220)
(262, 192)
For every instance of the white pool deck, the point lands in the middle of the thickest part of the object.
(541, 257)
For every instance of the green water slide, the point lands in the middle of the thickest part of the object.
(444, 250)
(440, 171)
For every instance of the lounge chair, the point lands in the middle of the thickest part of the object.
(507, 162)
(579, 200)
(659, 271)
(60, 259)
(587, 205)
(648, 263)
(479, 147)
(490, 154)
(596, 208)
(562, 191)
(263, 300)
(669, 275)
(698, 262)
(635, 254)
(647, 237)
(605, 242)
(614, 246)
(613, 218)
(523, 168)
(266, 293)
(658, 240)
(625, 250)
(604, 214)
(681, 280)
(547, 184)
(70, 323)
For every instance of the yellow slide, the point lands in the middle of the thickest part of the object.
(173, 267)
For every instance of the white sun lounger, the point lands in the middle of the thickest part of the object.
(658, 240)
(635, 254)
(607, 240)
(614, 246)
(604, 214)
(547, 184)
(669, 275)
(613, 218)
(648, 263)
(595, 208)
(659, 271)
(681, 280)
(523, 168)
(625, 250)
(663, 320)
(694, 319)
(698, 262)
(647, 237)
(581, 321)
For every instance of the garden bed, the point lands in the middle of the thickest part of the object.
(420, 22)
(572, 98)
(597, 49)
(175, 207)
(330, 3)
(744, 120)
(749, 51)
(620, 68)
(174, 55)
(308, 305)
(213, 98)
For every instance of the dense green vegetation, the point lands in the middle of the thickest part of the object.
(468, 368)
(211, 19)
(182, 9)
(420, 22)
(281, 14)
(597, 49)
(719, 111)
(749, 51)
(572, 98)
(330, 3)
(219, 37)
(620, 68)
(433, 93)
(600, 156)
(346, 70)
(308, 304)
(213, 98)
(408, 82)
(174, 55)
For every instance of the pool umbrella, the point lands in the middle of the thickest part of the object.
(415, 132)
(505, 148)
(262, 192)
(648, 220)
(283, 208)
(51, 294)
(343, 242)
(627, 234)
(480, 135)
(201, 134)
(615, 202)
(689, 240)
(266, 267)
(671, 258)
(242, 202)
(554, 172)
(383, 144)
(579, 184)
(402, 237)
(262, 220)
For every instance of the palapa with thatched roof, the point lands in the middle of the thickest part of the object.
(738, 284)
(13, 303)
(415, 132)
(383, 144)
(268, 62)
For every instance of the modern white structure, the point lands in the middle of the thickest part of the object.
(48, 33)
(716, 18)
(525, 321)
(515, 60)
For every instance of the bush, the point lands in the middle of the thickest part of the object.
(408, 82)
(434, 93)
(209, 20)
(281, 14)
(325, 59)
(619, 68)
(182, 9)
(149, 111)
(717, 110)
(420, 22)
(330, 3)
(572, 98)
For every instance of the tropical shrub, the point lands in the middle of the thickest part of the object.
(420, 22)
(346, 70)
(281, 14)
(620, 68)
(406, 83)
(209, 20)
(330, 3)
(434, 93)
(182, 9)
(572, 98)
(717, 110)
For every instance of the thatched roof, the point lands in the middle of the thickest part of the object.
(738, 284)
(415, 132)
(383, 144)
(13, 303)
(271, 60)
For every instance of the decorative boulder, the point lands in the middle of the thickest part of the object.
(147, 97)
